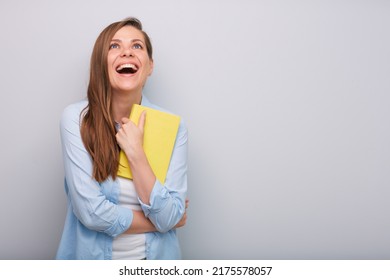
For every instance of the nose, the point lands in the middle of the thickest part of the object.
(127, 52)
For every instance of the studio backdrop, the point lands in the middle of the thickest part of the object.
(286, 104)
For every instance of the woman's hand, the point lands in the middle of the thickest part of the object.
(183, 220)
(130, 137)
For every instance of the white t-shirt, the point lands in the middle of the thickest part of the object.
(128, 246)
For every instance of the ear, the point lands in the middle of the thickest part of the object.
(151, 64)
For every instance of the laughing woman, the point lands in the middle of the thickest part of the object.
(109, 217)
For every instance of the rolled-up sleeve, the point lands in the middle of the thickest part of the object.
(89, 203)
(167, 201)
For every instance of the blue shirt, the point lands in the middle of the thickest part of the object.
(94, 217)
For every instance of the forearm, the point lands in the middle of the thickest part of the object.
(143, 176)
(140, 224)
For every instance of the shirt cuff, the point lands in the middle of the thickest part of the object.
(158, 199)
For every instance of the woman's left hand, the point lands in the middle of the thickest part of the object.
(130, 136)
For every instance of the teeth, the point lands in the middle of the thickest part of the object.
(127, 65)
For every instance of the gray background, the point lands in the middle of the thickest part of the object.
(287, 105)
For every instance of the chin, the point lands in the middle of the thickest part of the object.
(127, 89)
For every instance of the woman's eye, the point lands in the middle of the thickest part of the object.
(137, 46)
(114, 46)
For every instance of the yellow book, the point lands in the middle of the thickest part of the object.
(159, 139)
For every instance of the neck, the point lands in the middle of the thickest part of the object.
(122, 103)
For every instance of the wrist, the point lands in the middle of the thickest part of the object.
(137, 157)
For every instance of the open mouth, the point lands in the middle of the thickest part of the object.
(127, 68)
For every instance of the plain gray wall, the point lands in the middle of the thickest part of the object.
(286, 102)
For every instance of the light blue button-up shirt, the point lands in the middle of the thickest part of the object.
(94, 217)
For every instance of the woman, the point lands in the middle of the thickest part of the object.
(109, 217)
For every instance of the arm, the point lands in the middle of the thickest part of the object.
(141, 224)
(130, 139)
(164, 204)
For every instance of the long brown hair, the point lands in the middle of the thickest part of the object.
(98, 125)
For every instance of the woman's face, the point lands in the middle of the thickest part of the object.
(128, 62)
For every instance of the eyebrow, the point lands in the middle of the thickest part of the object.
(131, 41)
